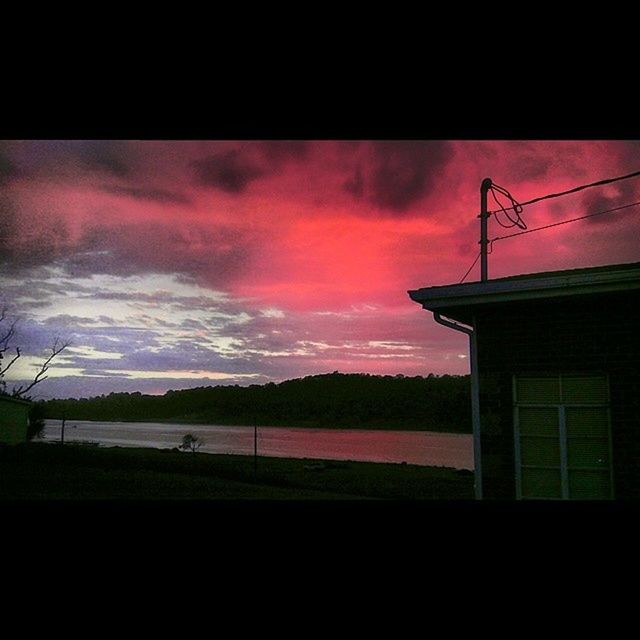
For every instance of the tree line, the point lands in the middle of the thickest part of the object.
(439, 403)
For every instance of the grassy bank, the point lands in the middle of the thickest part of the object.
(52, 472)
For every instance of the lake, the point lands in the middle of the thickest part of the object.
(426, 448)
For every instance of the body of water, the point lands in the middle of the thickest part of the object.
(413, 447)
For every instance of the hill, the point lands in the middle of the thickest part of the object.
(434, 403)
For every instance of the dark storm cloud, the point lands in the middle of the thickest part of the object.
(281, 151)
(142, 193)
(8, 169)
(8, 229)
(530, 167)
(629, 153)
(395, 175)
(597, 200)
(105, 155)
(219, 255)
(64, 160)
(232, 171)
(355, 184)
(405, 171)
(29, 241)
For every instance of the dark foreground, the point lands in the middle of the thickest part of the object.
(56, 472)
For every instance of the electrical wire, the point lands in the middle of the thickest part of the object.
(516, 207)
(557, 224)
(574, 190)
(471, 267)
(495, 213)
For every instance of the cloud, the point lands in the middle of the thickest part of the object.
(66, 161)
(395, 175)
(286, 274)
(215, 254)
(355, 183)
(105, 155)
(404, 172)
(283, 151)
(629, 153)
(617, 195)
(29, 241)
(66, 320)
(145, 193)
(530, 167)
(189, 323)
(7, 229)
(8, 169)
(232, 171)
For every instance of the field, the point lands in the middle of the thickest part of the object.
(46, 471)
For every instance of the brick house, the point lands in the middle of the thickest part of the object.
(14, 419)
(555, 371)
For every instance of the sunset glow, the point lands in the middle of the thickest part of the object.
(180, 264)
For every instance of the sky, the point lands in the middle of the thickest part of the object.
(177, 264)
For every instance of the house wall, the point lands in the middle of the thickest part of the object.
(594, 334)
(13, 422)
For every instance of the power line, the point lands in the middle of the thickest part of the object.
(574, 190)
(557, 224)
(471, 267)
(515, 206)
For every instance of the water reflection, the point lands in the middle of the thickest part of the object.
(413, 447)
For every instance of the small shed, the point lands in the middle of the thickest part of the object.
(555, 376)
(14, 419)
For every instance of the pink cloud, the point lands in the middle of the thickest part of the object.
(342, 229)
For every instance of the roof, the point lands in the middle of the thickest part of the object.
(12, 399)
(532, 286)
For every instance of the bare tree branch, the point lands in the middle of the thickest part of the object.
(55, 350)
(4, 340)
(3, 371)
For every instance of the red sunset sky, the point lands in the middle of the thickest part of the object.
(180, 264)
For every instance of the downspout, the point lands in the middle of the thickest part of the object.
(475, 396)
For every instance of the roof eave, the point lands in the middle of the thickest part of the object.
(492, 291)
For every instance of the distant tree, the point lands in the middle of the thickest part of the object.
(191, 443)
(7, 333)
(435, 403)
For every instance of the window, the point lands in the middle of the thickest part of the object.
(562, 437)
